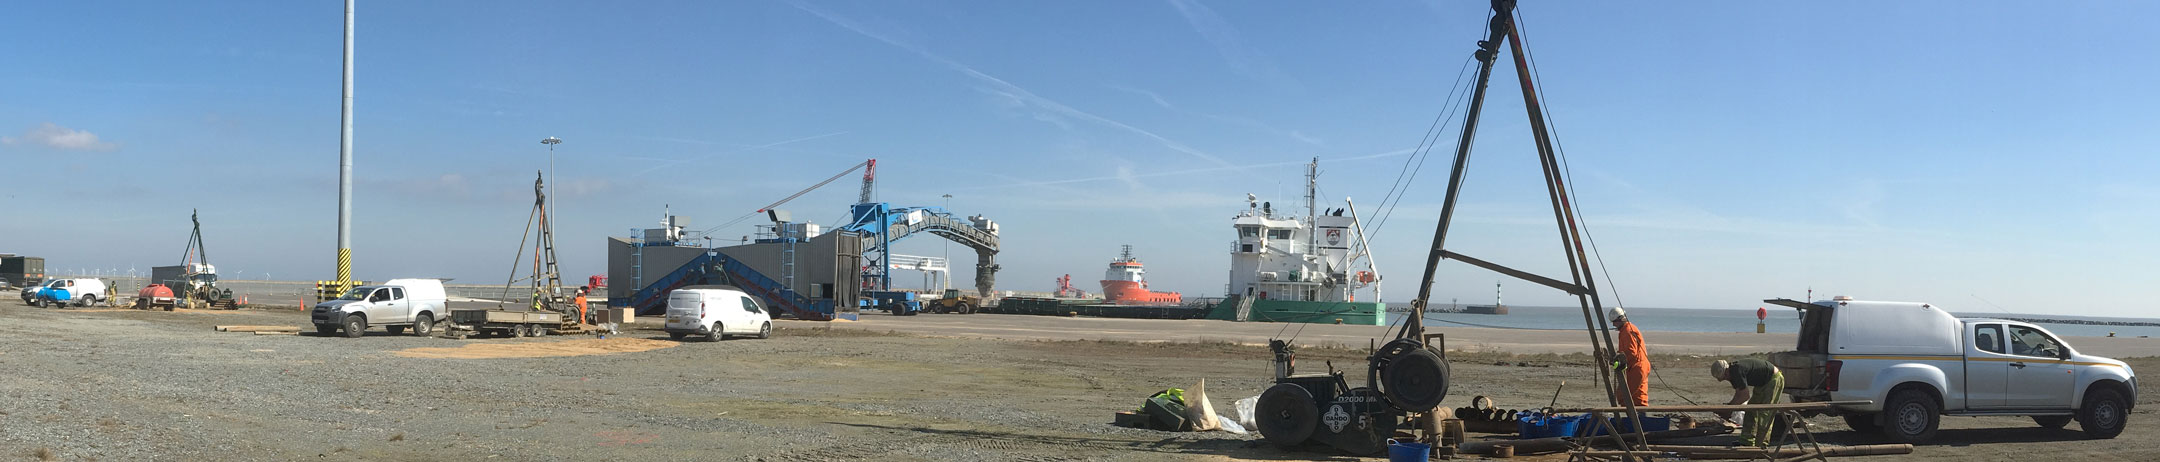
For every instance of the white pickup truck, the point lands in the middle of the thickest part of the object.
(395, 305)
(1915, 363)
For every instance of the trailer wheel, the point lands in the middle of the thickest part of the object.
(354, 326)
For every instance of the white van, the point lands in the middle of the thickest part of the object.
(395, 305)
(715, 312)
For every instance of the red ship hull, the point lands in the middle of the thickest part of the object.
(1132, 293)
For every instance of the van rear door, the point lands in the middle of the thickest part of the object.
(682, 309)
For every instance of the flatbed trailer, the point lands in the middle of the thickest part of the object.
(507, 323)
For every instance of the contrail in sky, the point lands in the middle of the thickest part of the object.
(1005, 88)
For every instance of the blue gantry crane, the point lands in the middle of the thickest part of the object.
(878, 225)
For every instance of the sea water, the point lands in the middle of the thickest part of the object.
(1779, 320)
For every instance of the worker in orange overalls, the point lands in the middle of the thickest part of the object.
(1634, 360)
(580, 301)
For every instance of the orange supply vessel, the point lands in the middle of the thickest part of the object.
(1124, 284)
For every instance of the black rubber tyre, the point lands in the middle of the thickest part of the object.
(2052, 422)
(676, 335)
(1912, 415)
(394, 330)
(424, 325)
(520, 331)
(1863, 423)
(86, 301)
(2104, 414)
(716, 334)
(1286, 415)
(1415, 381)
(354, 326)
(764, 332)
(967, 309)
(539, 330)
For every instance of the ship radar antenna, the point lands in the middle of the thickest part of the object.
(1127, 256)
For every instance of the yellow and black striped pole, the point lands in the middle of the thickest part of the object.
(344, 232)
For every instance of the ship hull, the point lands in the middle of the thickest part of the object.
(1349, 313)
(1131, 293)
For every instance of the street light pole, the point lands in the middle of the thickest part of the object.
(947, 280)
(551, 142)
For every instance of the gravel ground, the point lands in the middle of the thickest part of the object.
(133, 385)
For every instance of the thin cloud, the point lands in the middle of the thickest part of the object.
(57, 137)
(672, 163)
(1124, 175)
(1006, 89)
(1218, 32)
(1245, 121)
(1157, 97)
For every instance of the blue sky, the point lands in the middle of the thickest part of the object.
(1724, 152)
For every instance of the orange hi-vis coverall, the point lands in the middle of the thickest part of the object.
(1635, 363)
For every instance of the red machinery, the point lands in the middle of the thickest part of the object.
(155, 296)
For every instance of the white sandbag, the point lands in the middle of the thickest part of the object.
(1247, 411)
(1230, 425)
(1198, 410)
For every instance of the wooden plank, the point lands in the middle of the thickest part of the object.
(1721, 407)
(257, 328)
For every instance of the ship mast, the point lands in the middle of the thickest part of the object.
(1312, 214)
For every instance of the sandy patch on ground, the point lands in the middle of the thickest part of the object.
(581, 347)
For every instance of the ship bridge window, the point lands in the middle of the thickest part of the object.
(1248, 231)
(1278, 234)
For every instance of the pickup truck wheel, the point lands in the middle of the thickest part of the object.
(2103, 416)
(354, 326)
(1913, 416)
(2052, 422)
(424, 326)
(716, 334)
(1863, 423)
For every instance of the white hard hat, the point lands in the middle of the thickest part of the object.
(1617, 312)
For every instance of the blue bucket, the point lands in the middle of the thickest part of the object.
(1408, 452)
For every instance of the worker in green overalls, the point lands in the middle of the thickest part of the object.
(1754, 381)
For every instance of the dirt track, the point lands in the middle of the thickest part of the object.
(124, 385)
